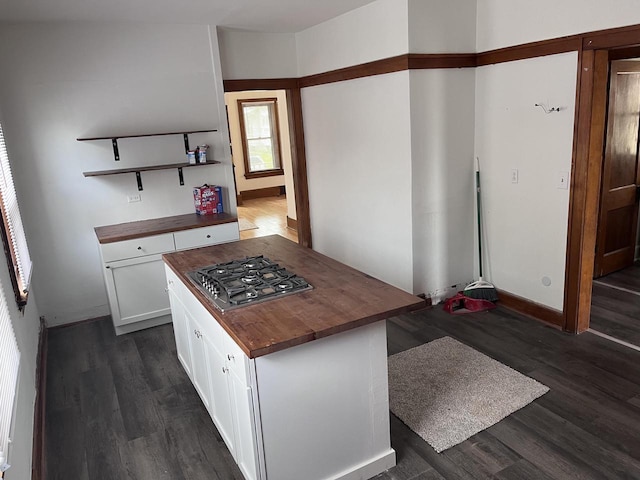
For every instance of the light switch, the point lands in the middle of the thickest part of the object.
(563, 180)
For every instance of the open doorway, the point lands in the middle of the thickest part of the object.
(263, 163)
(615, 300)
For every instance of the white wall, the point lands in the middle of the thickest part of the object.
(358, 145)
(257, 55)
(442, 147)
(511, 22)
(442, 26)
(62, 81)
(377, 30)
(526, 223)
(243, 184)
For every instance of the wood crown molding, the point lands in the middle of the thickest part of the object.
(609, 38)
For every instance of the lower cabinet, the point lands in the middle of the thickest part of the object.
(316, 411)
(132, 301)
(219, 372)
(134, 273)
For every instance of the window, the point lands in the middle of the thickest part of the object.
(15, 242)
(9, 363)
(260, 137)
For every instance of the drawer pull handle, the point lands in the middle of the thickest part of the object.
(208, 236)
(229, 357)
(139, 248)
(225, 369)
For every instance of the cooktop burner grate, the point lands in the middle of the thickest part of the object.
(238, 283)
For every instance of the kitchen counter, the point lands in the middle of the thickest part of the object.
(157, 226)
(342, 298)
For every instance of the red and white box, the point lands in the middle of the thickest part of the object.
(208, 199)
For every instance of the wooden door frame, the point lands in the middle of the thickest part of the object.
(588, 155)
(296, 133)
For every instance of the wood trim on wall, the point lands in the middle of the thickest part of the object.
(611, 38)
(292, 223)
(592, 48)
(377, 67)
(260, 84)
(591, 111)
(529, 50)
(531, 309)
(261, 193)
(38, 464)
(299, 164)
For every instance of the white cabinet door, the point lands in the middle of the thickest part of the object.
(244, 426)
(199, 360)
(136, 289)
(221, 412)
(180, 331)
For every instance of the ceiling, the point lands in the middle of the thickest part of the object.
(278, 16)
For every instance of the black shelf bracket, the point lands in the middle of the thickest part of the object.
(186, 143)
(139, 180)
(116, 153)
(180, 176)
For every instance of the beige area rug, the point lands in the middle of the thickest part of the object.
(446, 391)
(245, 224)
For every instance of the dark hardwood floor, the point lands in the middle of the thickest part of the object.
(123, 408)
(615, 305)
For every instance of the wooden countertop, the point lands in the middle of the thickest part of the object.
(156, 226)
(342, 298)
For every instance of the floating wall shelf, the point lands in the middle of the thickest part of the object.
(137, 170)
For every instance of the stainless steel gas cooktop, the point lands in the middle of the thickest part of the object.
(244, 282)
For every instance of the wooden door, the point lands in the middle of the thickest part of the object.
(618, 220)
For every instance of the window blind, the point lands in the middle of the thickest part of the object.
(13, 221)
(9, 364)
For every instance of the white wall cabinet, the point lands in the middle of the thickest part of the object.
(315, 411)
(134, 273)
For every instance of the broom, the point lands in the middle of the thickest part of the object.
(480, 289)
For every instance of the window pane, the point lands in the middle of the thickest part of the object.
(257, 120)
(261, 154)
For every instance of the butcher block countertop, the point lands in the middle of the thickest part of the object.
(157, 226)
(342, 298)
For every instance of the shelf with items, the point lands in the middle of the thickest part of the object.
(137, 170)
(114, 139)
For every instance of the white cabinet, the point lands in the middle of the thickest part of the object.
(315, 411)
(134, 273)
(222, 411)
(136, 292)
(219, 371)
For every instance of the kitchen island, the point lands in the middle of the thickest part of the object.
(297, 386)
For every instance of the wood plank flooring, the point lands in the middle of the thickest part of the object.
(121, 407)
(269, 214)
(615, 305)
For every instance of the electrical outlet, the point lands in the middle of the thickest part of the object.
(134, 198)
(514, 175)
(563, 180)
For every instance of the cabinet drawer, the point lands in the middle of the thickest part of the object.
(138, 247)
(200, 237)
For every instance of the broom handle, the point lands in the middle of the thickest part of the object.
(479, 219)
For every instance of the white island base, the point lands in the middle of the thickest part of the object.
(315, 411)
(324, 407)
